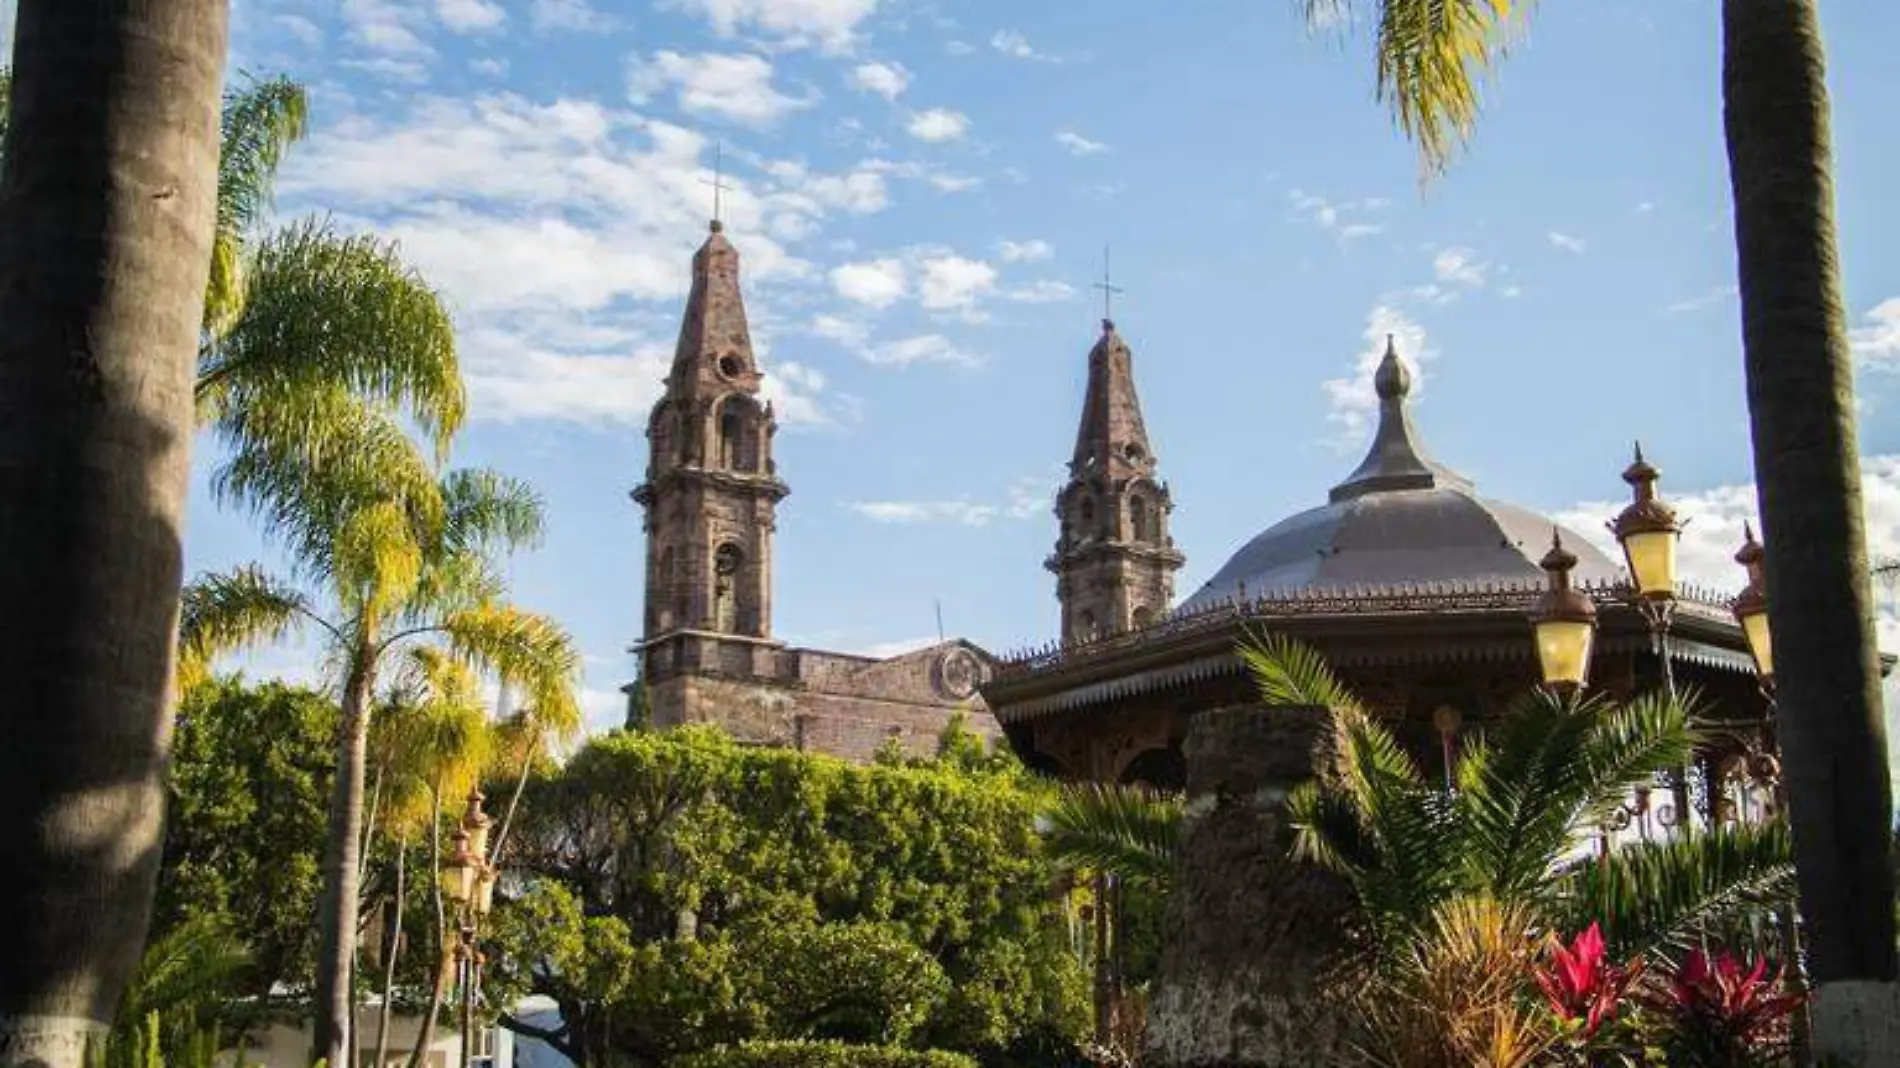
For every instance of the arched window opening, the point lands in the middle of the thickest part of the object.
(726, 564)
(660, 435)
(1140, 518)
(1086, 526)
(738, 435)
(1143, 616)
(1085, 629)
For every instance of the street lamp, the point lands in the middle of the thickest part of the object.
(1648, 531)
(1751, 610)
(458, 871)
(1565, 622)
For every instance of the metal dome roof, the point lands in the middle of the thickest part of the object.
(1399, 520)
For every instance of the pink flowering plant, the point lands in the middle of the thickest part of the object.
(1589, 996)
(1721, 1012)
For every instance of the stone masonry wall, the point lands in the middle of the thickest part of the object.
(1254, 947)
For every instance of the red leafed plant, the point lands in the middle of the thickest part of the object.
(1582, 986)
(1722, 1014)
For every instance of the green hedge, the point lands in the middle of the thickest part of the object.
(819, 1055)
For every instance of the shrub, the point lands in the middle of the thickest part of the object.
(820, 1055)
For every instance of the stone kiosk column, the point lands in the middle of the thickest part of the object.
(1251, 969)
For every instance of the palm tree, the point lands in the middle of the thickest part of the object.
(1807, 466)
(432, 738)
(388, 556)
(1525, 799)
(107, 212)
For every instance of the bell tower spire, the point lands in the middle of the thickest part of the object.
(1114, 560)
(711, 491)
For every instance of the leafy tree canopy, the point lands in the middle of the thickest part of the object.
(250, 779)
(679, 891)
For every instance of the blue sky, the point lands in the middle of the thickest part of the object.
(922, 193)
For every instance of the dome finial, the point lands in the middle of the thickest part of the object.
(1392, 380)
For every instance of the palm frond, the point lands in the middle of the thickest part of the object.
(526, 650)
(375, 559)
(1552, 770)
(1656, 896)
(327, 310)
(1288, 672)
(1127, 831)
(190, 969)
(304, 470)
(222, 613)
(486, 509)
(438, 732)
(260, 121)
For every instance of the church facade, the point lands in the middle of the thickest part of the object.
(710, 500)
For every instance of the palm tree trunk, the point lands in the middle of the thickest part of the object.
(336, 943)
(514, 799)
(106, 217)
(426, 1033)
(1801, 405)
(390, 948)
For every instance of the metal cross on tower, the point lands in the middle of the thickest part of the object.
(1108, 288)
(718, 186)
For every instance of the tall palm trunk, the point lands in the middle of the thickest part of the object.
(391, 945)
(514, 799)
(1801, 404)
(336, 944)
(426, 1033)
(106, 217)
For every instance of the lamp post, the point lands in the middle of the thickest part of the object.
(468, 880)
(1565, 622)
(1751, 612)
(1648, 532)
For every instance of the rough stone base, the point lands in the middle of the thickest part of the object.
(1859, 1022)
(1255, 944)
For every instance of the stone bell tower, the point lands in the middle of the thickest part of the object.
(710, 496)
(1114, 559)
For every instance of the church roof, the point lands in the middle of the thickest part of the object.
(714, 351)
(1111, 438)
(1398, 520)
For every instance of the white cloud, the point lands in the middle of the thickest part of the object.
(1026, 498)
(1460, 267)
(1353, 401)
(953, 183)
(960, 513)
(954, 282)
(470, 16)
(1024, 251)
(888, 80)
(1714, 530)
(735, 86)
(1077, 145)
(1014, 45)
(1877, 344)
(1343, 219)
(890, 649)
(1709, 299)
(847, 332)
(386, 29)
(297, 26)
(1042, 291)
(939, 124)
(878, 283)
(959, 48)
(1574, 245)
(828, 24)
(489, 65)
(560, 233)
(572, 16)
(925, 348)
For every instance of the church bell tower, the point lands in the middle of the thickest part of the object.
(1114, 559)
(711, 494)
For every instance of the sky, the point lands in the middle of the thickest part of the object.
(922, 194)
